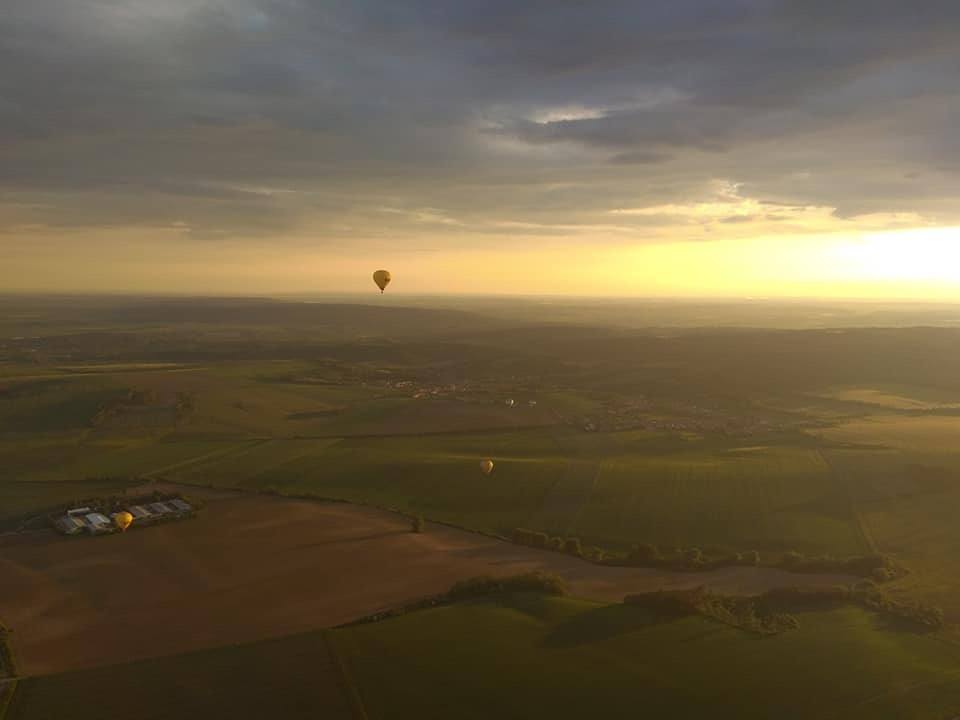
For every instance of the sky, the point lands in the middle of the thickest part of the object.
(657, 148)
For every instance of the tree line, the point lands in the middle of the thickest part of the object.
(774, 611)
(877, 567)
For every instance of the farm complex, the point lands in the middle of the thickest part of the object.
(116, 515)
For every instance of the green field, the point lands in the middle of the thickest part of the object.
(906, 491)
(294, 678)
(263, 426)
(613, 489)
(737, 440)
(531, 656)
(526, 655)
(282, 426)
(19, 501)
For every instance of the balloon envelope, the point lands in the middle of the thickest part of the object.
(123, 520)
(486, 466)
(382, 279)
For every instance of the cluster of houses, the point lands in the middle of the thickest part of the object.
(96, 522)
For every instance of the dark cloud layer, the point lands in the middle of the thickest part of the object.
(259, 116)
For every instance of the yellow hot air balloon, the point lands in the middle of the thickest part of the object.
(486, 466)
(123, 520)
(382, 279)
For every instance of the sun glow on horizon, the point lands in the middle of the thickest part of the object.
(855, 262)
(913, 255)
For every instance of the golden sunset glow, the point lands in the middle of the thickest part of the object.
(911, 263)
(507, 164)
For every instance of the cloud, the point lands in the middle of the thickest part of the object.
(268, 118)
(639, 157)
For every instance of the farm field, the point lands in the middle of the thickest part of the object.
(906, 488)
(76, 603)
(291, 678)
(263, 426)
(823, 443)
(927, 433)
(614, 490)
(566, 658)
(248, 429)
(546, 657)
(21, 501)
(896, 398)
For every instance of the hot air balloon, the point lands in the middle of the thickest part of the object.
(382, 279)
(486, 466)
(123, 520)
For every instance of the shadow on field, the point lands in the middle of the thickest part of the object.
(355, 539)
(508, 554)
(600, 624)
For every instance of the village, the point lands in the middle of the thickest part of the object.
(613, 415)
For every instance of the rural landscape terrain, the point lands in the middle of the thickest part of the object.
(686, 499)
(479, 360)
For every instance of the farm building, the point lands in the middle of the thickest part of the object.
(69, 525)
(180, 505)
(97, 519)
(139, 512)
(98, 523)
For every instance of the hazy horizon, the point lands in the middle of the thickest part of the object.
(682, 149)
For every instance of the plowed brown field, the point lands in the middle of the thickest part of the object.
(251, 567)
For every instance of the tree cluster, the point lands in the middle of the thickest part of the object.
(478, 587)
(773, 611)
(542, 541)
(8, 663)
(743, 613)
(878, 567)
(535, 582)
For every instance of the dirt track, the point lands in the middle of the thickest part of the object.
(250, 568)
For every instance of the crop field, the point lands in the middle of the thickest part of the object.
(437, 476)
(48, 406)
(926, 433)
(842, 442)
(839, 444)
(249, 568)
(274, 426)
(20, 500)
(549, 657)
(897, 397)
(922, 530)
(766, 498)
(564, 658)
(64, 461)
(615, 489)
(290, 678)
(906, 501)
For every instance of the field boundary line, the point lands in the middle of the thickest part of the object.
(8, 689)
(862, 529)
(578, 515)
(346, 682)
(213, 456)
(502, 429)
(899, 692)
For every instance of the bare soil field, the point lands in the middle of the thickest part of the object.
(252, 567)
